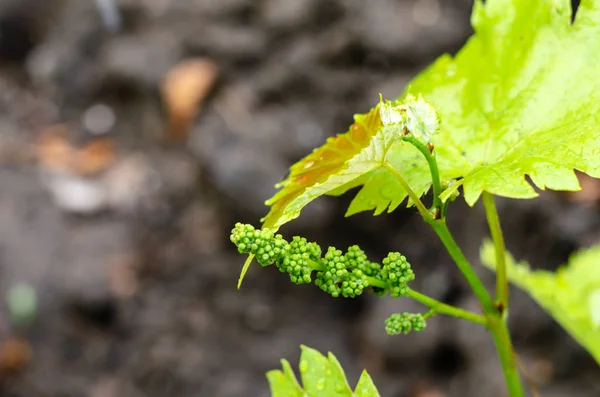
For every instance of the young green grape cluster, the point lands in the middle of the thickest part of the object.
(397, 273)
(403, 323)
(337, 273)
(265, 245)
(296, 263)
(343, 274)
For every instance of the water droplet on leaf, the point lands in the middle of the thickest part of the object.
(594, 302)
(303, 366)
(320, 384)
(388, 192)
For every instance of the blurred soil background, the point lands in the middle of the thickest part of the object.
(135, 133)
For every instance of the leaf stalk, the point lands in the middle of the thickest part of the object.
(411, 193)
(499, 248)
(427, 151)
(494, 319)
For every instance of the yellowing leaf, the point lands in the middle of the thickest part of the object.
(353, 159)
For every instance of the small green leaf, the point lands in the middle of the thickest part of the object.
(356, 158)
(284, 383)
(365, 386)
(571, 294)
(244, 270)
(321, 376)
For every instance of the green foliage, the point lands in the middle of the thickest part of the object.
(321, 377)
(571, 294)
(403, 323)
(357, 158)
(520, 98)
(338, 274)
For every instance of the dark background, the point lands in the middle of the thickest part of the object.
(127, 245)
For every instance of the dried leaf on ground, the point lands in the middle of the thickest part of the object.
(15, 355)
(183, 90)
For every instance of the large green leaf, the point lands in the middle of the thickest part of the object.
(522, 97)
(321, 376)
(571, 294)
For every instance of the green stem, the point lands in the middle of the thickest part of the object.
(440, 307)
(464, 266)
(496, 232)
(501, 336)
(435, 305)
(433, 168)
(411, 193)
(495, 321)
(375, 282)
(315, 265)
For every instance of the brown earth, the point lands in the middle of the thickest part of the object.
(117, 200)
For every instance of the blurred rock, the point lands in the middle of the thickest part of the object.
(234, 42)
(91, 251)
(287, 14)
(94, 177)
(23, 24)
(99, 119)
(422, 21)
(76, 194)
(143, 58)
(239, 174)
(110, 14)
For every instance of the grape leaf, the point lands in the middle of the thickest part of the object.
(365, 386)
(283, 382)
(522, 97)
(571, 294)
(357, 158)
(321, 376)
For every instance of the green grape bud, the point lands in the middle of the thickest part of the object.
(403, 323)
